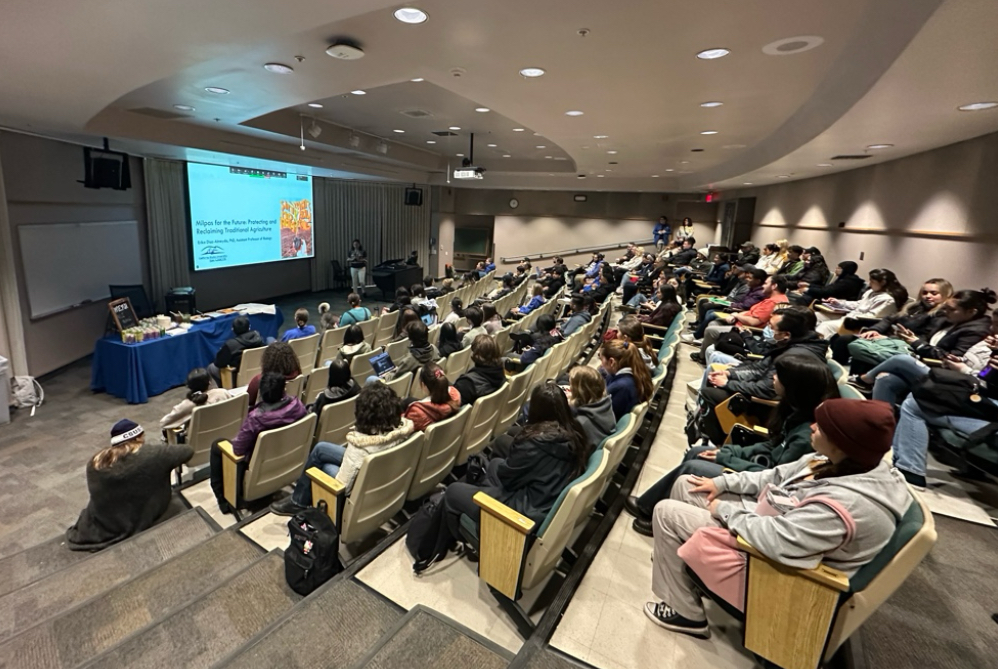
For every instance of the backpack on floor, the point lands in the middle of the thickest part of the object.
(313, 556)
(26, 393)
(428, 538)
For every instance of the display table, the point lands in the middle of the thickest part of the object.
(136, 372)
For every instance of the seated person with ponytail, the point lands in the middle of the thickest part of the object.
(129, 484)
(449, 341)
(441, 402)
(627, 378)
(339, 387)
(850, 503)
(885, 296)
(303, 329)
(200, 392)
(802, 383)
(666, 310)
(356, 313)
(631, 330)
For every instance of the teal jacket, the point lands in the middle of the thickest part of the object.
(796, 443)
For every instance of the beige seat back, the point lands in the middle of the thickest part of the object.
(336, 420)
(214, 421)
(503, 340)
(440, 449)
(380, 489)
(386, 328)
(540, 369)
(457, 363)
(397, 349)
(517, 395)
(370, 329)
(575, 507)
(620, 441)
(306, 348)
(278, 458)
(332, 342)
(360, 366)
(400, 384)
(434, 334)
(315, 384)
(250, 365)
(481, 423)
(294, 387)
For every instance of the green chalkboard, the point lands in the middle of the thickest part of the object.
(472, 240)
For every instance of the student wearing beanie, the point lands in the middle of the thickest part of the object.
(838, 506)
(129, 484)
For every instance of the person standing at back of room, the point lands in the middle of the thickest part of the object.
(662, 232)
(357, 259)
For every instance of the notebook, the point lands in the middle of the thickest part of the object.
(383, 365)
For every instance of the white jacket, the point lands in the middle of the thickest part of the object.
(182, 412)
(360, 445)
(871, 305)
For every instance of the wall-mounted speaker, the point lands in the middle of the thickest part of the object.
(414, 197)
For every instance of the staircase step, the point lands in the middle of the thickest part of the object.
(64, 589)
(35, 563)
(99, 623)
(341, 622)
(425, 639)
(213, 626)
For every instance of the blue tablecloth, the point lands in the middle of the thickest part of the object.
(137, 372)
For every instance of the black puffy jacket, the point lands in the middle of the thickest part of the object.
(755, 379)
(479, 382)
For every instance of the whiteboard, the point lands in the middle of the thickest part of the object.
(66, 264)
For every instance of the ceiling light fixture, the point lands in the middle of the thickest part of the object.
(600, 176)
(684, 162)
(708, 132)
(669, 169)
(548, 157)
(978, 106)
(518, 129)
(278, 68)
(782, 176)
(315, 105)
(482, 110)
(492, 146)
(793, 45)
(417, 80)
(541, 146)
(186, 108)
(654, 176)
(411, 15)
(217, 90)
(824, 164)
(612, 153)
(506, 155)
(398, 131)
(874, 147)
(459, 155)
(359, 92)
(454, 127)
(532, 72)
(747, 183)
(601, 136)
(711, 105)
(431, 141)
(573, 112)
(713, 54)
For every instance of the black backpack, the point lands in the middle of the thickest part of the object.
(313, 556)
(428, 538)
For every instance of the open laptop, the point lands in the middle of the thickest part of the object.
(383, 366)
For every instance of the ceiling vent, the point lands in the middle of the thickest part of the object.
(862, 156)
(444, 133)
(159, 113)
(416, 113)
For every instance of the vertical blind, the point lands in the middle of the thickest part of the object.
(376, 214)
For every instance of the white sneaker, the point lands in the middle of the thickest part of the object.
(687, 337)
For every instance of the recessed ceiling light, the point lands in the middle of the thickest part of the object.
(492, 146)
(747, 183)
(532, 72)
(581, 176)
(410, 15)
(541, 146)
(708, 132)
(278, 68)
(431, 141)
(684, 162)
(710, 105)
(217, 90)
(824, 164)
(574, 112)
(601, 136)
(782, 176)
(506, 155)
(398, 131)
(315, 105)
(183, 107)
(712, 54)
(518, 129)
(455, 127)
(654, 176)
(612, 153)
(482, 110)
(669, 169)
(417, 79)
(874, 147)
(792, 45)
(600, 176)
(548, 157)
(359, 92)
(978, 106)
(608, 170)
(459, 155)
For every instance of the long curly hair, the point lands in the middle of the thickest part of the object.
(279, 357)
(379, 409)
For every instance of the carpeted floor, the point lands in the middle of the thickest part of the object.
(341, 623)
(58, 592)
(91, 628)
(941, 616)
(212, 627)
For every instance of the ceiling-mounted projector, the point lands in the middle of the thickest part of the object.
(468, 169)
(345, 52)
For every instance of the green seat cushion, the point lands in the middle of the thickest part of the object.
(909, 526)
(594, 461)
(469, 528)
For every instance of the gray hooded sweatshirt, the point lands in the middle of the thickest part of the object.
(814, 533)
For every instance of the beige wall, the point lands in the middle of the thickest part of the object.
(931, 214)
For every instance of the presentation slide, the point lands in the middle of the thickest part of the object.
(243, 216)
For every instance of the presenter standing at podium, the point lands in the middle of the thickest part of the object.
(358, 267)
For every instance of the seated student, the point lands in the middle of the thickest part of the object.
(643, 276)
(794, 263)
(379, 426)
(432, 291)
(815, 270)
(339, 387)
(866, 500)
(420, 352)
(535, 303)
(627, 378)
(506, 286)
(774, 292)
(715, 276)
(921, 318)
(199, 393)
(548, 453)
(489, 266)
(667, 309)
(231, 353)
(553, 280)
(129, 485)
(592, 405)
(402, 299)
(279, 358)
(490, 319)
(486, 374)
(456, 310)
(450, 340)
(845, 285)
(802, 383)
(356, 313)
(748, 254)
(303, 329)
(589, 271)
(578, 316)
(540, 340)
(354, 344)
(442, 400)
(327, 319)
(967, 322)
(884, 297)
(475, 319)
(447, 286)
(276, 409)
(684, 256)
(631, 330)
(769, 259)
(407, 315)
(418, 294)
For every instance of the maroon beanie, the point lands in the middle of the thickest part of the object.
(863, 429)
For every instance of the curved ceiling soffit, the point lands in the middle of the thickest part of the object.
(846, 83)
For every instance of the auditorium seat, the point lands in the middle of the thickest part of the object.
(315, 384)
(397, 349)
(457, 363)
(335, 421)
(210, 423)
(370, 329)
(306, 348)
(386, 328)
(519, 385)
(401, 384)
(332, 342)
(439, 452)
(250, 365)
(482, 423)
(360, 366)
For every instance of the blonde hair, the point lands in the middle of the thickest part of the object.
(587, 385)
(110, 455)
(945, 292)
(626, 355)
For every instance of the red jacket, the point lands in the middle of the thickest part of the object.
(424, 412)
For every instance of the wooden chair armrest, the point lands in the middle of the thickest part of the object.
(504, 538)
(330, 490)
(932, 362)
(768, 403)
(753, 356)
(718, 367)
(828, 310)
(232, 465)
(823, 574)
(702, 284)
(753, 329)
(654, 328)
(228, 376)
(172, 434)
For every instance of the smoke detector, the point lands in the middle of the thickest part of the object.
(345, 52)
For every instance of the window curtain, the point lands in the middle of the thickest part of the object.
(11, 319)
(373, 212)
(166, 214)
